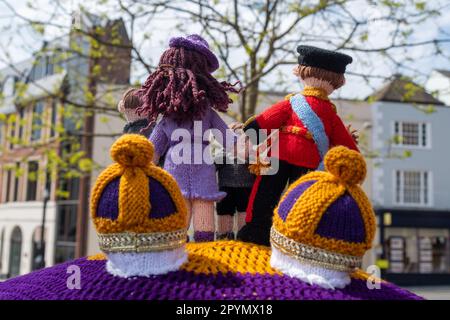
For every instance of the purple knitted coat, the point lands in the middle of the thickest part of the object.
(196, 177)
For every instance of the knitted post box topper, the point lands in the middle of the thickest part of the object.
(324, 223)
(138, 212)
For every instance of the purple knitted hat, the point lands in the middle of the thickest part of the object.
(197, 43)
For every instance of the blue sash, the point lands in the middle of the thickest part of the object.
(313, 123)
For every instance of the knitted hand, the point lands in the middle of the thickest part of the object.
(354, 133)
(244, 147)
(236, 125)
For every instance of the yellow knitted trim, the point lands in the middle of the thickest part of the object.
(228, 256)
(246, 123)
(311, 92)
(315, 92)
(222, 256)
(361, 275)
(97, 257)
(289, 96)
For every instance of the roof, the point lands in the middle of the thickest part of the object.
(19, 70)
(402, 89)
(444, 72)
(45, 87)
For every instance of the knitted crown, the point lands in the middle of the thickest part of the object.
(136, 206)
(325, 219)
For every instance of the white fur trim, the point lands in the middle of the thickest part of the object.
(145, 264)
(312, 274)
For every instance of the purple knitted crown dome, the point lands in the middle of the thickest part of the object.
(342, 218)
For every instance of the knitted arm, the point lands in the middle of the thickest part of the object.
(160, 140)
(219, 124)
(275, 116)
(340, 135)
(272, 118)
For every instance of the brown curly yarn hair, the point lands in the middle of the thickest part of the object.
(182, 88)
(337, 80)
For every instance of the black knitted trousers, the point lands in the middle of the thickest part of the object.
(267, 192)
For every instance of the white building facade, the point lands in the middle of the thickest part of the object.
(29, 129)
(411, 184)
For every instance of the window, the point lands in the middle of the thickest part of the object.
(8, 185)
(20, 123)
(69, 188)
(412, 187)
(411, 134)
(66, 232)
(48, 183)
(12, 130)
(417, 250)
(9, 86)
(16, 182)
(15, 252)
(33, 167)
(54, 118)
(38, 252)
(36, 126)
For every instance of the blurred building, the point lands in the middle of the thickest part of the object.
(410, 183)
(32, 106)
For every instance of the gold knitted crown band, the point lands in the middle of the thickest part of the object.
(312, 255)
(141, 242)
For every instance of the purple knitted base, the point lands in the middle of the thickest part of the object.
(97, 284)
(203, 236)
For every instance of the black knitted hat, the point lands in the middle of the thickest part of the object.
(323, 59)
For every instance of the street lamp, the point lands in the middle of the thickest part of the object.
(41, 257)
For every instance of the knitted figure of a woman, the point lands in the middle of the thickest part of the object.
(183, 91)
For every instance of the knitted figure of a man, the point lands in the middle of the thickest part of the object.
(308, 126)
(136, 122)
(183, 91)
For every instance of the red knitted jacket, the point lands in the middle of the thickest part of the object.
(297, 149)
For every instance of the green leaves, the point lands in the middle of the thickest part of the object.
(364, 36)
(407, 154)
(85, 165)
(420, 5)
(38, 27)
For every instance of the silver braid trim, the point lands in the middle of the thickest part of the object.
(141, 242)
(313, 255)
